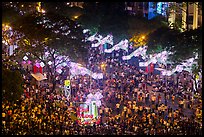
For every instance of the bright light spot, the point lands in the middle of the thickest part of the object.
(85, 30)
(59, 71)
(29, 62)
(25, 58)
(43, 11)
(103, 66)
(75, 17)
(64, 64)
(42, 64)
(50, 63)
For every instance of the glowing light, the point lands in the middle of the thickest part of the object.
(102, 41)
(121, 45)
(37, 65)
(64, 64)
(6, 27)
(179, 68)
(139, 51)
(49, 62)
(29, 62)
(76, 17)
(85, 30)
(43, 11)
(25, 58)
(42, 64)
(59, 71)
(103, 65)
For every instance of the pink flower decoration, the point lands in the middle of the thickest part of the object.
(37, 65)
(29, 62)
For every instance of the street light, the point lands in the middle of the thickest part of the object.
(76, 17)
(103, 66)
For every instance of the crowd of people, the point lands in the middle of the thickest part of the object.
(134, 103)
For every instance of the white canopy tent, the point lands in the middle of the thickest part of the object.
(38, 76)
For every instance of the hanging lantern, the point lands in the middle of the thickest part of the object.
(42, 64)
(49, 62)
(25, 58)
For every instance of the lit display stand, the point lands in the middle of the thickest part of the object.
(88, 114)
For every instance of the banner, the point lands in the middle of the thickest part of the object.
(67, 83)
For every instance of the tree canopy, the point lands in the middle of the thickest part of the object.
(11, 84)
(183, 45)
(57, 32)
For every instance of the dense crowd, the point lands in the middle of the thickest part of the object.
(134, 103)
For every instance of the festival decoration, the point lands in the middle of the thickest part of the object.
(121, 45)
(186, 65)
(77, 69)
(25, 58)
(49, 62)
(94, 97)
(160, 58)
(42, 64)
(139, 51)
(108, 39)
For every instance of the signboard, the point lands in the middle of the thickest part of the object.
(67, 82)
(67, 89)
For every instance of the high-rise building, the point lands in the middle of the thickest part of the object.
(147, 9)
(180, 13)
(189, 14)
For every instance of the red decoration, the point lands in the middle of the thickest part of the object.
(98, 121)
(41, 70)
(151, 67)
(147, 69)
(34, 69)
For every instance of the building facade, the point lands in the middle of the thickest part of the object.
(175, 12)
(148, 10)
(189, 14)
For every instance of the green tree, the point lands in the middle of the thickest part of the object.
(161, 39)
(183, 45)
(187, 44)
(105, 18)
(54, 34)
(11, 85)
